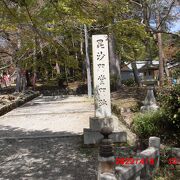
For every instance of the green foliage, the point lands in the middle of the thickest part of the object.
(165, 171)
(164, 121)
(113, 80)
(176, 73)
(169, 99)
(150, 123)
(177, 56)
(61, 79)
(130, 37)
(129, 82)
(58, 26)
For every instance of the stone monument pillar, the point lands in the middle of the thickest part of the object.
(101, 76)
(102, 117)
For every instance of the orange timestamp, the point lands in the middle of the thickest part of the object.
(123, 161)
(174, 161)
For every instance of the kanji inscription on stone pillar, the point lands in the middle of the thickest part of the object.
(101, 76)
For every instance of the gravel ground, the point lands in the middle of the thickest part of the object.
(48, 158)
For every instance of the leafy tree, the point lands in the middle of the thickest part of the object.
(51, 36)
(157, 15)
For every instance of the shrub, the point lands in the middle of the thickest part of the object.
(176, 73)
(169, 100)
(164, 122)
(150, 123)
(113, 82)
(129, 82)
(61, 79)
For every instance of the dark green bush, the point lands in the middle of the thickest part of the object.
(113, 82)
(176, 73)
(150, 123)
(169, 100)
(165, 122)
(129, 82)
(61, 79)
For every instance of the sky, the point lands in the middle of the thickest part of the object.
(176, 26)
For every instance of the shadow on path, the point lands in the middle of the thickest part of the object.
(44, 154)
(8, 132)
(47, 158)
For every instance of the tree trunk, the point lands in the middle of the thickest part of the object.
(18, 70)
(50, 72)
(41, 49)
(28, 78)
(82, 57)
(57, 65)
(160, 49)
(88, 68)
(66, 73)
(136, 73)
(76, 57)
(161, 61)
(18, 79)
(57, 68)
(34, 63)
(23, 80)
(166, 69)
(115, 70)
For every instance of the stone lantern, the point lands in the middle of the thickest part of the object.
(150, 81)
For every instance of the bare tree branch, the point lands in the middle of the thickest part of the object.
(3, 52)
(165, 17)
(135, 2)
(154, 31)
(6, 66)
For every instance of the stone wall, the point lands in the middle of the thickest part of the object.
(20, 100)
(144, 168)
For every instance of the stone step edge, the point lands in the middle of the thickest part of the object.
(39, 137)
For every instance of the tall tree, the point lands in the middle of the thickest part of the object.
(156, 15)
(87, 62)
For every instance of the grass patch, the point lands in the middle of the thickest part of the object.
(149, 124)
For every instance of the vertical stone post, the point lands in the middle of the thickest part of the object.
(151, 158)
(155, 143)
(106, 157)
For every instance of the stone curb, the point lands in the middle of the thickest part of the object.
(39, 137)
(18, 102)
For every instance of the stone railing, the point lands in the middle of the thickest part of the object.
(145, 166)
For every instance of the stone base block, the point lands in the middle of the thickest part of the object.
(95, 137)
(153, 107)
(97, 123)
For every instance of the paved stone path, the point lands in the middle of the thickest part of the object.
(51, 147)
(40, 140)
(48, 115)
(47, 159)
